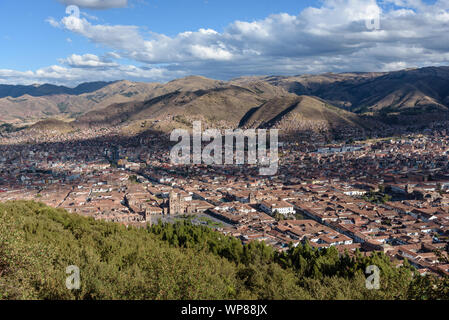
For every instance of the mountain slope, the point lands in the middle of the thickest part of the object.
(32, 108)
(418, 90)
(407, 91)
(16, 91)
(57, 101)
(225, 104)
(412, 92)
(26, 108)
(298, 113)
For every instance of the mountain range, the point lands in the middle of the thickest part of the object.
(332, 101)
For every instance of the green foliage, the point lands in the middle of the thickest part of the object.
(377, 197)
(38, 244)
(179, 261)
(429, 288)
(315, 274)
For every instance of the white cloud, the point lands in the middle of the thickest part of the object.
(87, 61)
(330, 33)
(71, 76)
(53, 22)
(96, 4)
(212, 53)
(113, 36)
(113, 55)
(330, 38)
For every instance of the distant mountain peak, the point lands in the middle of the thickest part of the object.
(413, 90)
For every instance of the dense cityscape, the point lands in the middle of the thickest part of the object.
(383, 194)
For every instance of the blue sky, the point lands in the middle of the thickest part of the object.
(158, 40)
(29, 42)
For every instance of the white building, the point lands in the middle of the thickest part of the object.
(273, 207)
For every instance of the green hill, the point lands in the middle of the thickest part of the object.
(180, 261)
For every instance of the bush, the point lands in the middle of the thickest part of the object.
(179, 261)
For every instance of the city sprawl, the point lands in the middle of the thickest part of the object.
(382, 194)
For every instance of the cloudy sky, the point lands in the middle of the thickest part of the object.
(73, 41)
